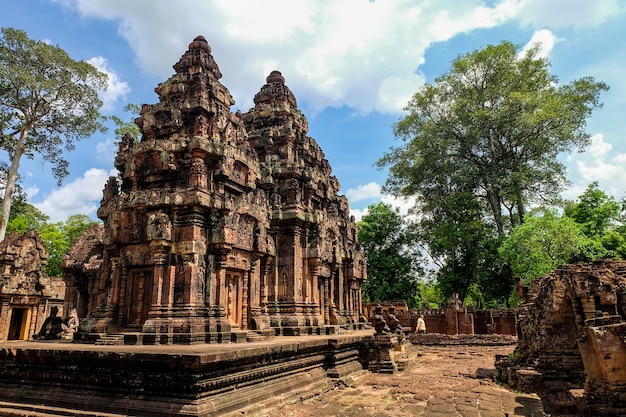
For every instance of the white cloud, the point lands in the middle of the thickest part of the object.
(357, 53)
(116, 88)
(368, 191)
(598, 147)
(364, 192)
(105, 151)
(404, 204)
(31, 191)
(81, 196)
(358, 213)
(544, 39)
(560, 14)
(597, 164)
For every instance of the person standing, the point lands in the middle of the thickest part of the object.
(421, 325)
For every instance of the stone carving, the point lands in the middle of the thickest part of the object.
(394, 323)
(379, 321)
(72, 324)
(207, 228)
(159, 227)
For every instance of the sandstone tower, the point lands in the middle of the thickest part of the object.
(220, 224)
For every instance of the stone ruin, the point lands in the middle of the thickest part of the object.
(220, 226)
(451, 318)
(27, 293)
(572, 348)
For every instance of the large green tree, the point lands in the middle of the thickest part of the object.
(494, 124)
(545, 241)
(47, 102)
(594, 210)
(392, 263)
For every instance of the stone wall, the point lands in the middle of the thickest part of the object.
(120, 381)
(452, 319)
(571, 347)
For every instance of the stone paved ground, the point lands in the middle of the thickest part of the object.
(438, 382)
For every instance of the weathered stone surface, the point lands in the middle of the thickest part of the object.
(571, 337)
(27, 293)
(220, 224)
(51, 379)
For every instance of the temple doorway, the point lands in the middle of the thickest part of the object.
(139, 296)
(234, 288)
(18, 327)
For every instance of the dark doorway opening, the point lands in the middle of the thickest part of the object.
(18, 327)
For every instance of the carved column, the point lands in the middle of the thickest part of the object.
(160, 253)
(122, 305)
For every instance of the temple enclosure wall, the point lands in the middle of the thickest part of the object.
(450, 319)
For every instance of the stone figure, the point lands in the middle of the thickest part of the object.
(394, 323)
(379, 321)
(52, 326)
(159, 226)
(72, 323)
(127, 142)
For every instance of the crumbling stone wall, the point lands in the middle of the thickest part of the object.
(571, 348)
(220, 223)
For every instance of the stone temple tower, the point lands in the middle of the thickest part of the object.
(221, 224)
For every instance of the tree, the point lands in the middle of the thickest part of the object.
(391, 264)
(47, 102)
(58, 237)
(493, 124)
(544, 242)
(462, 244)
(122, 127)
(24, 216)
(594, 210)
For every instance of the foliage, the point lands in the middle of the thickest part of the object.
(24, 216)
(493, 125)
(545, 241)
(127, 127)
(47, 102)
(479, 145)
(594, 210)
(58, 237)
(391, 265)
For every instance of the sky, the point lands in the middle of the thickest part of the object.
(352, 64)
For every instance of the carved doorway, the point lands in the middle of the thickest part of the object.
(18, 327)
(234, 288)
(139, 297)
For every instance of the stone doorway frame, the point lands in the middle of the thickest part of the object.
(21, 330)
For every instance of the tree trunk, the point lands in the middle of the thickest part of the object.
(10, 187)
(496, 210)
(521, 211)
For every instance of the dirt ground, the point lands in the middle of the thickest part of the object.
(439, 381)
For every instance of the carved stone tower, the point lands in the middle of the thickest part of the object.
(223, 223)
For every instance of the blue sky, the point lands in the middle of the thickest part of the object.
(352, 64)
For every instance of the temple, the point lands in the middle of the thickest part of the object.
(221, 226)
(27, 293)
